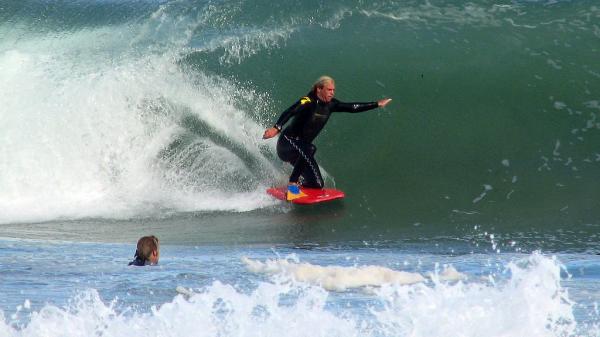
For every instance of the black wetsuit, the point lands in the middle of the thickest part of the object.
(295, 142)
(137, 262)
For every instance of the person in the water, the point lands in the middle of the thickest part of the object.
(147, 252)
(310, 113)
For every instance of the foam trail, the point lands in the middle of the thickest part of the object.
(341, 278)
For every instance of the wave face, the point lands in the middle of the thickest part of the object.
(126, 109)
(102, 118)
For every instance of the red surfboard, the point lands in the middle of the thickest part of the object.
(312, 195)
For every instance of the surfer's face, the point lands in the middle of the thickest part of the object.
(327, 92)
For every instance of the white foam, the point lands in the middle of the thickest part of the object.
(486, 189)
(428, 13)
(84, 132)
(528, 300)
(341, 278)
(241, 44)
(531, 303)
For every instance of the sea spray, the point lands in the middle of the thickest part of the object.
(121, 136)
(530, 301)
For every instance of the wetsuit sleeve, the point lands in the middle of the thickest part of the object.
(291, 111)
(353, 107)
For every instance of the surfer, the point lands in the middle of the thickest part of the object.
(147, 251)
(310, 113)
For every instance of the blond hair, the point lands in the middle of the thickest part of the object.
(321, 81)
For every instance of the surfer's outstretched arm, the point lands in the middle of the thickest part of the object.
(359, 107)
(383, 102)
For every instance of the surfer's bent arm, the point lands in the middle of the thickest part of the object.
(291, 111)
(284, 118)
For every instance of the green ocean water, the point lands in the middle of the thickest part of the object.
(127, 118)
(121, 116)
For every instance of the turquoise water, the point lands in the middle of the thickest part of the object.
(120, 119)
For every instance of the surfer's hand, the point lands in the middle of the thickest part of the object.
(270, 133)
(383, 102)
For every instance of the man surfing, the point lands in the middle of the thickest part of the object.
(310, 113)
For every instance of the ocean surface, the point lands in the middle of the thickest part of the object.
(472, 200)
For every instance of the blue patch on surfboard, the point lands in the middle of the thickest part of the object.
(306, 195)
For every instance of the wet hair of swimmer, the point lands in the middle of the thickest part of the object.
(148, 249)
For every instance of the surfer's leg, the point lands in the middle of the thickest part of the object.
(301, 155)
(311, 173)
(299, 167)
(286, 150)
